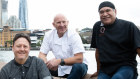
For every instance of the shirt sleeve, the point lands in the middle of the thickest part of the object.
(43, 70)
(94, 35)
(136, 36)
(3, 74)
(45, 46)
(76, 43)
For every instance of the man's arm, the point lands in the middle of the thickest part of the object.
(53, 63)
(138, 51)
(77, 58)
(43, 57)
(98, 63)
(43, 71)
(3, 74)
(97, 60)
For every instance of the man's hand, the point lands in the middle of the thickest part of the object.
(94, 75)
(53, 64)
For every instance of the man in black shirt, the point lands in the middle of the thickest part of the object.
(117, 43)
(24, 66)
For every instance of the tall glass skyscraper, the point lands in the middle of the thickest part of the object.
(23, 14)
(3, 12)
(0, 13)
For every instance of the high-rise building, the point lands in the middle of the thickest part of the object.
(0, 13)
(23, 14)
(14, 23)
(3, 12)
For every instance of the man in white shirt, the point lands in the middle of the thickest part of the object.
(67, 47)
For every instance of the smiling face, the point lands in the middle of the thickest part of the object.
(21, 49)
(107, 15)
(61, 24)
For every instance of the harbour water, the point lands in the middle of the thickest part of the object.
(6, 56)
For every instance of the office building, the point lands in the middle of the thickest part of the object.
(7, 34)
(23, 13)
(14, 22)
(3, 12)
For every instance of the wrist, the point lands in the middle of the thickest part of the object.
(62, 63)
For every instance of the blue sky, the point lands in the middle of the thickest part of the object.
(80, 13)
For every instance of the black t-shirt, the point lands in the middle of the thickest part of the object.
(117, 44)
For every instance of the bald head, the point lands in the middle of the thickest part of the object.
(59, 16)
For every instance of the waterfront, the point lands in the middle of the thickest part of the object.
(6, 56)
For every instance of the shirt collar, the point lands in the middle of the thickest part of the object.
(26, 64)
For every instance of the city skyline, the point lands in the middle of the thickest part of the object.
(80, 14)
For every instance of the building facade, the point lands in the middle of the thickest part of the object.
(7, 34)
(23, 14)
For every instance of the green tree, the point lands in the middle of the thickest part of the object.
(38, 44)
(10, 42)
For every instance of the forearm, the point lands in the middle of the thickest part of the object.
(78, 58)
(53, 63)
(43, 57)
(97, 60)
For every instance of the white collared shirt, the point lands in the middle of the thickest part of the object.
(63, 47)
